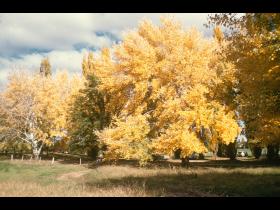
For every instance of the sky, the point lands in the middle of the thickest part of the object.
(65, 38)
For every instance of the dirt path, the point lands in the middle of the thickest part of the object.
(73, 175)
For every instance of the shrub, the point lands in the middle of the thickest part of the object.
(231, 151)
(272, 152)
(257, 151)
(201, 156)
(222, 150)
(177, 154)
(93, 152)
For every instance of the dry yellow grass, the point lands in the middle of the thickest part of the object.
(19, 189)
(26, 179)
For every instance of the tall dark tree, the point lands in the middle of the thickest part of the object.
(87, 113)
(45, 68)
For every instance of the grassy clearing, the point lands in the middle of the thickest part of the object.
(202, 179)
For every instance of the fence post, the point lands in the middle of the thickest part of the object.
(12, 157)
(52, 160)
(80, 161)
(30, 158)
(22, 158)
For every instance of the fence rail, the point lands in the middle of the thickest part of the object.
(58, 156)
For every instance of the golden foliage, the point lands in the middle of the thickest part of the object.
(172, 77)
(127, 138)
(35, 106)
(254, 50)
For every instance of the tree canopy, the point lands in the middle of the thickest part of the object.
(167, 81)
(254, 49)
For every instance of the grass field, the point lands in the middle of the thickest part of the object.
(210, 178)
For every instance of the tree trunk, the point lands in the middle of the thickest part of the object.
(177, 154)
(36, 151)
(185, 162)
(201, 156)
(215, 151)
(257, 151)
(231, 151)
(272, 152)
(220, 152)
(277, 151)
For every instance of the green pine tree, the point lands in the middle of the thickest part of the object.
(87, 114)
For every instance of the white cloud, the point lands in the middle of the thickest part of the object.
(26, 38)
(60, 60)
(3, 75)
(70, 60)
(20, 32)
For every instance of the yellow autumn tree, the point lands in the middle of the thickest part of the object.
(254, 49)
(169, 82)
(128, 138)
(34, 108)
(45, 68)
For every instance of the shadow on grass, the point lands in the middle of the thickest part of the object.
(195, 184)
(75, 159)
(193, 164)
(235, 163)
